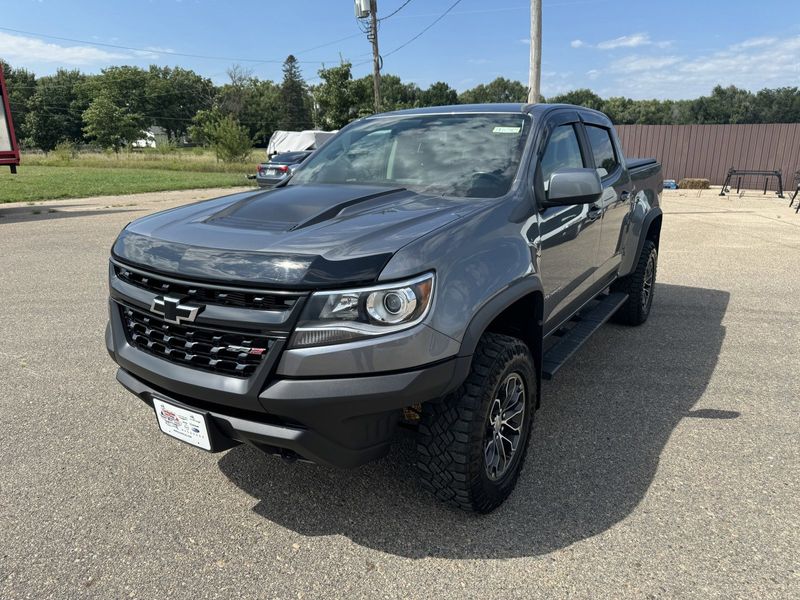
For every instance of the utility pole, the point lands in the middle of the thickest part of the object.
(535, 75)
(376, 57)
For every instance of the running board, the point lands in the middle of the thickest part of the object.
(587, 324)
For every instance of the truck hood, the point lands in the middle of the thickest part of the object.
(293, 236)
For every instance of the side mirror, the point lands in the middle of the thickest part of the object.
(573, 186)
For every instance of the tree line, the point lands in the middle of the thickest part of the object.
(112, 109)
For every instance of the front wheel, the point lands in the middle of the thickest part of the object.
(639, 286)
(471, 445)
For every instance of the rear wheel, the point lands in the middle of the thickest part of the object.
(639, 286)
(471, 445)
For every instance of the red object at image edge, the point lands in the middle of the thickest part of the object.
(7, 157)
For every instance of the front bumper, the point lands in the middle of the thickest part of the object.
(342, 421)
(337, 422)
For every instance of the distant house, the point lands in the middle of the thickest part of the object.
(151, 138)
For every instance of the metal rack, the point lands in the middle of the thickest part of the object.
(739, 173)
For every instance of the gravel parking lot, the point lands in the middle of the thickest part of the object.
(665, 461)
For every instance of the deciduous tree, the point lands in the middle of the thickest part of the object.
(438, 94)
(173, 97)
(55, 110)
(579, 97)
(335, 99)
(110, 125)
(499, 90)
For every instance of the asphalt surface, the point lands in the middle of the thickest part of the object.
(665, 461)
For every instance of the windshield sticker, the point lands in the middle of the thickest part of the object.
(506, 129)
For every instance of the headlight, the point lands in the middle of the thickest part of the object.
(344, 316)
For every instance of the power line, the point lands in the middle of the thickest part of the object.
(169, 52)
(390, 15)
(421, 33)
(510, 8)
(349, 37)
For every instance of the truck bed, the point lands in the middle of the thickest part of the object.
(646, 174)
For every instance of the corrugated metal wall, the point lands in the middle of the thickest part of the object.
(708, 151)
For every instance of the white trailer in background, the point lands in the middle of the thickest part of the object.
(296, 141)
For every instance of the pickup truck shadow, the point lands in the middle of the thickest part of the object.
(596, 445)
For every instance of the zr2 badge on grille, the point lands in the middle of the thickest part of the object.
(173, 311)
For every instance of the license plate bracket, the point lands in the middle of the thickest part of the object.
(189, 426)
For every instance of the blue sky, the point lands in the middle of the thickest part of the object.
(640, 49)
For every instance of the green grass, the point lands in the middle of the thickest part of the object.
(194, 159)
(39, 182)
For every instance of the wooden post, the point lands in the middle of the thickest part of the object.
(535, 74)
(376, 57)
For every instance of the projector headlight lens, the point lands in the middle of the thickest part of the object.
(343, 316)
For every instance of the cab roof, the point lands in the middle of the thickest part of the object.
(463, 108)
(536, 110)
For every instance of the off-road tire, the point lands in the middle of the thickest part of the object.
(639, 286)
(452, 436)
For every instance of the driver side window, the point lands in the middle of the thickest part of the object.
(562, 151)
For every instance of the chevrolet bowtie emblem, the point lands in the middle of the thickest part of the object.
(173, 311)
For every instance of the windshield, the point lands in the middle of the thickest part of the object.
(461, 155)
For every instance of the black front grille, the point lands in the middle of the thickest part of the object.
(207, 294)
(228, 353)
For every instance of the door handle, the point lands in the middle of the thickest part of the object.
(624, 196)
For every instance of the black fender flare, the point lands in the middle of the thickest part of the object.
(491, 309)
(640, 229)
(651, 216)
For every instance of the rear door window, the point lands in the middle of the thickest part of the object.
(605, 158)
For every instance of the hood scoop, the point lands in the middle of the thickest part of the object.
(294, 207)
(334, 211)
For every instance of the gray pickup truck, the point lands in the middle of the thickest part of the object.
(425, 268)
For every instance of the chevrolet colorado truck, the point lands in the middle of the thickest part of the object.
(425, 268)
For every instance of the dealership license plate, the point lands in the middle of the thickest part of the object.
(272, 171)
(186, 425)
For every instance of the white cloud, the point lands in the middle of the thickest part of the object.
(152, 52)
(556, 82)
(634, 40)
(626, 41)
(22, 50)
(755, 43)
(636, 64)
(753, 64)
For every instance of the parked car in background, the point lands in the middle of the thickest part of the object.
(670, 184)
(279, 167)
